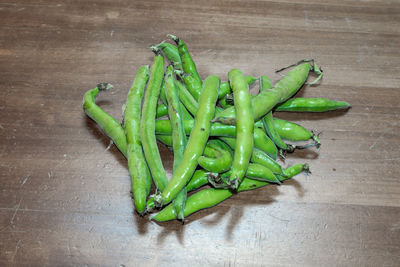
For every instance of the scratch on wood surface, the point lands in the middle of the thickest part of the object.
(280, 219)
(393, 159)
(16, 250)
(25, 180)
(361, 242)
(15, 212)
(395, 227)
(379, 138)
(11, 231)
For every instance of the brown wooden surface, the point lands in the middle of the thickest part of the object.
(65, 199)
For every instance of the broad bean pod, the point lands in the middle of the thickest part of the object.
(178, 134)
(261, 140)
(172, 54)
(267, 99)
(206, 198)
(257, 156)
(186, 98)
(301, 104)
(210, 197)
(294, 132)
(110, 126)
(215, 157)
(225, 88)
(137, 166)
(147, 122)
(265, 84)
(254, 171)
(197, 141)
(191, 77)
(244, 128)
(199, 178)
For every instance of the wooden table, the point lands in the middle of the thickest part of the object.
(65, 197)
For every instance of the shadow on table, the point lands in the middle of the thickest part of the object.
(97, 133)
(234, 207)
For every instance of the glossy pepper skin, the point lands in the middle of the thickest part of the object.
(196, 143)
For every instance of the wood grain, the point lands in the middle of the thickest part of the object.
(65, 198)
